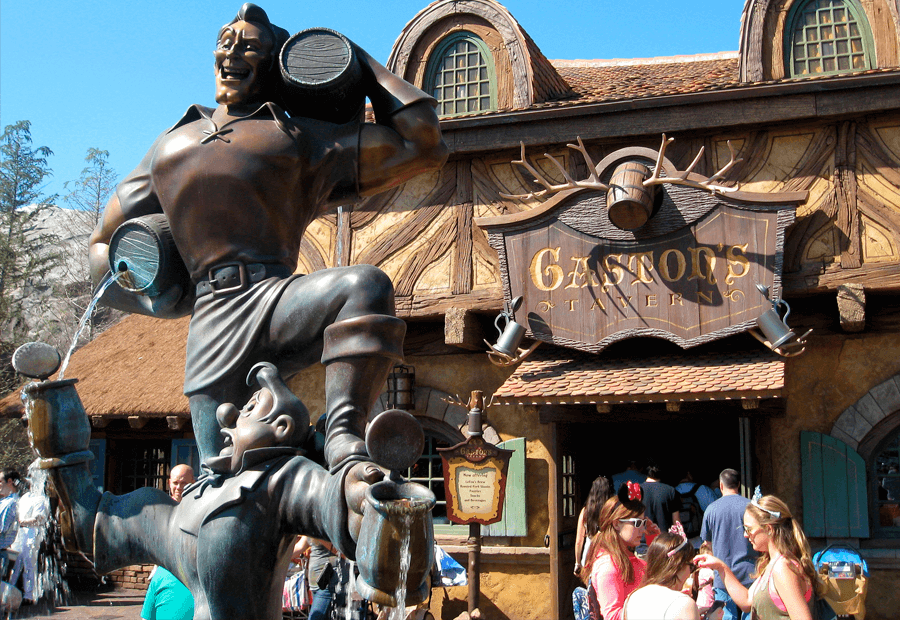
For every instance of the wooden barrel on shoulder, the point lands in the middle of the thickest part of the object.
(629, 203)
(145, 249)
(322, 76)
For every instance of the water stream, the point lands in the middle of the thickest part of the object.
(110, 278)
(40, 559)
(399, 612)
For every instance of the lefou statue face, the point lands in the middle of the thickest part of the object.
(250, 428)
(242, 53)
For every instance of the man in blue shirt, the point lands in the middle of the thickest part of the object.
(723, 525)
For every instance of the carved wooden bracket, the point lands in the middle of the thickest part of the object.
(175, 423)
(99, 421)
(136, 421)
(851, 300)
(673, 407)
(462, 329)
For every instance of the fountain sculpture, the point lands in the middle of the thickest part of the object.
(222, 200)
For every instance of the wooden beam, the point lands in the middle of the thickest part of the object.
(462, 329)
(175, 423)
(99, 421)
(136, 421)
(845, 186)
(730, 108)
(879, 278)
(434, 306)
(851, 300)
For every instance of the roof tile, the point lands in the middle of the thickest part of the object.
(552, 374)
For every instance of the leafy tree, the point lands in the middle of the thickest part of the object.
(90, 193)
(27, 252)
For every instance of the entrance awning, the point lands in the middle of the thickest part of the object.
(555, 376)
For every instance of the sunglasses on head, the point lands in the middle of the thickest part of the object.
(638, 523)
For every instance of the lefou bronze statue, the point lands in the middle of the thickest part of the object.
(239, 185)
(230, 538)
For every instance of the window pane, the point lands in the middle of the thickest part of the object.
(465, 64)
(823, 32)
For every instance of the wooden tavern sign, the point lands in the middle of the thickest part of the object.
(641, 249)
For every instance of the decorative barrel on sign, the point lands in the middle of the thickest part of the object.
(322, 76)
(629, 203)
(144, 248)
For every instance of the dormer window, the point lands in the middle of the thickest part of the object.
(461, 76)
(826, 37)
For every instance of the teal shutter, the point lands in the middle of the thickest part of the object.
(835, 503)
(98, 465)
(513, 522)
(185, 452)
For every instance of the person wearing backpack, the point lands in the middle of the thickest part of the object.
(695, 499)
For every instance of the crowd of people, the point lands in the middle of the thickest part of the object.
(24, 513)
(639, 562)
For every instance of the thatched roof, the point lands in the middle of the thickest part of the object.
(135, 368)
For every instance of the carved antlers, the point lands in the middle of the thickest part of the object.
(681, 178)
(592, 182)
(674, 177)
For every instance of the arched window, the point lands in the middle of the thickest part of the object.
(827, 37)
(461, 76)
(885, 469)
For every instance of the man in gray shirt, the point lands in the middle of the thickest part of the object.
(723, 527)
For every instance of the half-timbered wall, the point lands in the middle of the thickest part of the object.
(422, 234)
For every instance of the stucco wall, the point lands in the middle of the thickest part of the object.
(835, 372)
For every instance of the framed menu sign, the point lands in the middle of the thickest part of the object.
(475, 473)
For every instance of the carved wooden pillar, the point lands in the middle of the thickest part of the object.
(845, 192)
(462, 259)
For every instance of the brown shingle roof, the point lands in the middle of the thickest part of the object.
(135, 367)
(560, 376)
(598, 82)
(547, 83)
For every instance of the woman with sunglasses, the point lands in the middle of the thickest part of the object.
(660, 597)
(785, 576)
(613, 571)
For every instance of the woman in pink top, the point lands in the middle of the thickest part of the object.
(612, 571)
(785, 576)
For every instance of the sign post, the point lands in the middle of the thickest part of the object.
(475, 474)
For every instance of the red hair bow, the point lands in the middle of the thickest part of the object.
(634, 491)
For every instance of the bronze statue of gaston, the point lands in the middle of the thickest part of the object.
(239, 184)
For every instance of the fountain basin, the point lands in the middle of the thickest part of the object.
(395, 515)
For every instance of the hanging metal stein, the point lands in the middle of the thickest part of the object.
(507, 352)
(776, 333)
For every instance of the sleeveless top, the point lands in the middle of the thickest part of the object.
(766, 602)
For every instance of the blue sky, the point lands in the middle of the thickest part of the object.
(113, 74)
